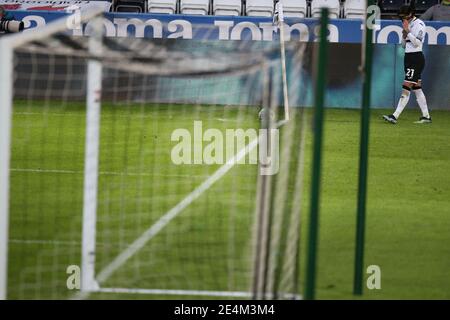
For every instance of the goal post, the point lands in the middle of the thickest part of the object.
(91, 162)
(279, 17)
(7, 47)
(5, 145)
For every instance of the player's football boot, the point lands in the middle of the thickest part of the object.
(390, 118)
(424, 120)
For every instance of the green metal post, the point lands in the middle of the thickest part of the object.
(363, 162)
(317, 157)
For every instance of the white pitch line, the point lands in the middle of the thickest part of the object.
(82, 115)
(172, 213)
(48, 114)
(58, 242)
(226, 120)
(46, 242)
(107, 173)
(206, 293)
(235, 294)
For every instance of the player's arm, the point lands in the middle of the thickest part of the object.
(416, 35)
(404, 34)
(416, 40)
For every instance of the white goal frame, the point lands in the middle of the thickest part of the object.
(90, 281)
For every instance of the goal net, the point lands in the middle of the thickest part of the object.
(136, 166)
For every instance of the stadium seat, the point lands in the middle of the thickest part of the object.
(389, 8)
(227, 7)
(200, 7)
(294, 8)
(162, 6)
(333, 5)
(354, 9)
(424, 5)
(135, 6)
(260, 8)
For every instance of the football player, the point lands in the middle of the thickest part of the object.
(414, 63)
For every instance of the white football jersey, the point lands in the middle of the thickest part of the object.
(415, 37)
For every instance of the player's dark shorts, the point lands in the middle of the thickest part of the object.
(414, 64)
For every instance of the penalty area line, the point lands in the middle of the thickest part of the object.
(105, 173)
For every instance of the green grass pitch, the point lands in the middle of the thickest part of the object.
(408, 208)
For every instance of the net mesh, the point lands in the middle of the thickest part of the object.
(177, 184)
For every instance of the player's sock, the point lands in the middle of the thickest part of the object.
(403, 101)
(422, 101)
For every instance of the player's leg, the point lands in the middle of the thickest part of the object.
(422, 101)
(404, 98)
(411, 67)
(408, 84)
(402, 102)
(420, 96)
